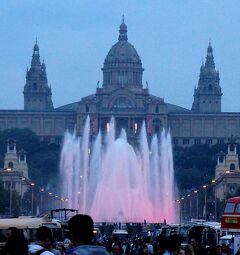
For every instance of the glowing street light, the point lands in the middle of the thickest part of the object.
(196, 192)
(21, 194)
(32, 186)
(215, 199)
(205, 200)
(41, 198)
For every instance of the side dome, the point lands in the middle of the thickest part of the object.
(122, 65)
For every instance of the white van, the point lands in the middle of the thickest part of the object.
(29, 225)
(121, 234)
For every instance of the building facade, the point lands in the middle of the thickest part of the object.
(14, 174)
(123, 96)
(227, 172)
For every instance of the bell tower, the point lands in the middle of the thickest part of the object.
(37, 93)
(207, 95)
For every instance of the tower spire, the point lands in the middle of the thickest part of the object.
(123, 31)
(37, 93)
(35, 56)
(207, 95)
(209, 58)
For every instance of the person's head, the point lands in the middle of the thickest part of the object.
(182, 252)
(173, 243)
(44, 235)
(117, 249)
(12, 232)
(224, 247)
(145, 249)
(188, 250)
(218, 249)
(81, 229)
(193, 242)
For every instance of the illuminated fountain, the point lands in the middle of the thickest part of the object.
(116, 182)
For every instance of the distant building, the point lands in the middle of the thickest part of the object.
(227, 173)
(122, 94)
(14, 174)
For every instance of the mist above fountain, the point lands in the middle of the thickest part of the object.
(116, 182)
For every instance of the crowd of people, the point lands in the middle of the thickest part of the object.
(82, 243)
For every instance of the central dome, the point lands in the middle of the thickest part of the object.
(122, 66)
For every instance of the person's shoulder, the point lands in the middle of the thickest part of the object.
(90, 249)
(47, 253)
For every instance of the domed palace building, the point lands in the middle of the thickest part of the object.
(123, 96)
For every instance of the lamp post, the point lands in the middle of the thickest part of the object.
(196, 192)
(56, 203)
(182, 208)
(10, 190)
(205, 201)
(79, 200)
(10, 197)
(50, 200)
(41, 199)
(215, 200)
(190, 206)
(21, 198)
(32, 205)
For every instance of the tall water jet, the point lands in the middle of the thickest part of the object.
(114, 181)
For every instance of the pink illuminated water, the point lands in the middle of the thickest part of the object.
(116, 182)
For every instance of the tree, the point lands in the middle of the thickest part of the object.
(4, 199)
(42, 157)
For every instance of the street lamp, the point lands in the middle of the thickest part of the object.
(10, 197)
(79, 199)
(179, 208)
(190, 206)
(205, 201)
(215, 199)
(182, 208)
(196, 192)
(21, 198)
(56, 203)
(10, 190)
(41, 199)
(50, 200)
(32, 186)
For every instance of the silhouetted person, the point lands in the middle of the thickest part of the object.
(43, 243)
(16, 243)
(81, 229)
(197, 248)
(173, 245)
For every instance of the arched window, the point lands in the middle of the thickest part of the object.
(157, 109)
(232, 147)
(232, 167)
(22, 157)
(210, 88)
(10, 165)
(34, 86)
(157, 126)
(87, 108)
(122, 102)
(221, 159)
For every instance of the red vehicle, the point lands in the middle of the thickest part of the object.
(231, 216)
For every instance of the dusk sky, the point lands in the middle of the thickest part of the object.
(74, 37)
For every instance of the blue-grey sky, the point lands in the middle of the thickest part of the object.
(74, 36)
